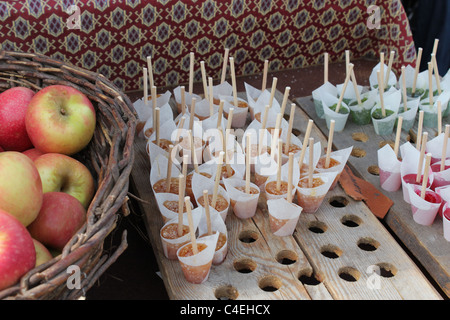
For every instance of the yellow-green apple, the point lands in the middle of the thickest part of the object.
(14, 104)
(42, 253)
(17, 253)
(63, 173)
(60, 119)
(20, 186)
(33, 153)
(60, 217)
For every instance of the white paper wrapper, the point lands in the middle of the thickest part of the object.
(424, 212)
(349, 93)
(409, 116)
(389, 165)
(159, 170)
(258, 100)
(283, 216)
(326, 88)
(222, 89)
(217, 225)
(441, 178)
(435, 146)
(196, 268)
(170, 246)
(310, 199)
(360, 113)
(284, 178)
(244, 205)
(446, 221)
(167, 214)
(341, 156)
(409, 78)
(339, 118)
(239, 114)
(167, 131)
(430, 118)
(444, 192)
(317, 151)
(188, 98)
(200, 183)
(373, 78)
(144, 111)
(166, 114)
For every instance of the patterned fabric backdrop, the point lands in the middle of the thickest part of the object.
(116, 36)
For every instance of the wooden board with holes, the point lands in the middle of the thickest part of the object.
(260, 265)
(426, 243)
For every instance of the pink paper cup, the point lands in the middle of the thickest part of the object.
(446, 221)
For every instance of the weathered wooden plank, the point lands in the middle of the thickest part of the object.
(426, 243)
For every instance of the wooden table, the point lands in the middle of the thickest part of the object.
(333, 254)
(426, 243)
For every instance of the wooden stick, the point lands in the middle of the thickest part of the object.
(444, 147)
(355, 86)
(422, 155)
(157, 127)
(211, 97)
(183, 99)
(436, 73)
(193, 152)
(419, 130)
(263, 128)
(430, 84)
(247, 164)
(191, 72)
(224, 65)
(275, 135)
(154, 103)
(205, 84)
(381, 91)
(439, 115)
(280, 143)
(181, 194)
(185, 163)
(416, 71)
(397, 136)
(381, 80)
(388, 73)
(217, 179)
(192, 115)
(264, 80)
(228, 128)
(207, 213)
(289, 133)
(233, 82)
(405, 98)
(150, 71)
(310, 162)
(169, 169)
(272, 91)
(191, 225)
(305, 142)
(285, 99)
(290, 176)
(180, 128)
(347, 61)
(330, 143)
(347, 78)
(220, 114)
(325, 67)
(425, 176)
(145, 86)
(435, 46)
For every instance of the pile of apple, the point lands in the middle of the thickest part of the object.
(44, 191)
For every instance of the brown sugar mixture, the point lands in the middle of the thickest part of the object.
(160, 186)
(172, 205)
(221, 202)
(171, 231)
(220, 241)
(271, 187)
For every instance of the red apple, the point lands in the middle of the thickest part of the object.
(60, 119)
(33, 153)
(65, 174)
(20, 186)
(1, 149)
(43, 255)
(60, 217)
(17, 253)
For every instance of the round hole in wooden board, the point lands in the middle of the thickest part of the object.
(309, 277)
(226, 292)
(270, 283)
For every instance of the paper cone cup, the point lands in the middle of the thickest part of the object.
(424, 210)
(317, 151)
(441, 178)
(166, 115)
(310, 199)
(383, 126)
(265, 166)
(200, 183)
(435, 146)
(244, 205)
(349, 93)
(168, 205)
(283, 216)
(171, 242)
(222, 89)
(444, 192)
(338, 161)
(389, 165)
(196, 267)
(270, 187)
(158, 174)
(373, 78)
(326, 88)
(188, 98)
(360, 113)
(217, 225)
(340, 118)
(239, 114)
(409, 116)
(257, 100)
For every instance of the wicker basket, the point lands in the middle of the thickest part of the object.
(109, 156)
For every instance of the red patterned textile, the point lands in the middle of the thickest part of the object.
(115, 37)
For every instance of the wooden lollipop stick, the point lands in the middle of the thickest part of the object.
(169, 169)
(157, 127)
(305, 142)
(425, 176)
(144, 71)
(211, 97)
(247, 163)
(207, 212)
(397, 135)
(419, 130)
(325, 67)
(228, 128)
(224, 65)
(291, 124)
(435, 46)
(275, 135)
(263, 128)
(381, 80)
(290, 176)
(191, 225)
(347, 60)
(280, 143)
(217, 179)
(430, 83)
(183, 99)
(180, 128)
(181, 194)
(330, 143)
(150, 71)
(220, 114)
(310, 162)
(154, 103)
(444, 147)
(355, 87)
(388, 73)
(405, 98)
(421, 157)
(272, 91)
(205, 84)
(233, 82)
(193, 152)
(381, 91)
(285, 99)
(264, 80)
(436, 73)
(347, 78)
(191, 72)
(416, 71)
(439, 117)
(192, 115)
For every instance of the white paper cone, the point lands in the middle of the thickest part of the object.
(444, 192)
(239, 113)
(244, 205)
(440, 178)
(446, 221)
(326, 88)
(435, 146)
(424, 212)
(341, 156)
(159, 170)
(200, 183)
(283, 216)
(310, 199)
(389, 165)
(167, 214)
(166, 115)
(373, 78)
(188, 98)
(339, 118)
(217, 225)
(284, 178)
